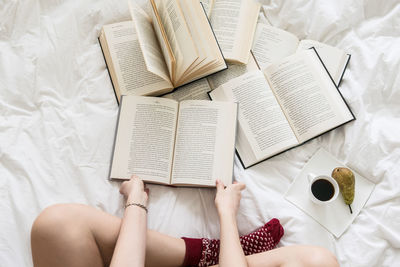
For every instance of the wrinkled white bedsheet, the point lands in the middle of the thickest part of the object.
(58, 114)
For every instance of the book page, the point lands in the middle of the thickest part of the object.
(178, 35)
(307, 95)
(205, 141)
(197, 90)
(149, 44)
(210, 58)
(190, 10)
(234, 23)
(145, 139)
(126, 64)
(225, 22)
(261, 121)
(208, 5)
(335, 59)
(233, 71)
(272, 44)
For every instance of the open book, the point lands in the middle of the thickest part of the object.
(157, 52)
(125, 62)
(234, 23)
(188, 143)
(271, 44)
(283, 106)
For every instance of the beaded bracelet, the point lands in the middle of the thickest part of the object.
(136, 204)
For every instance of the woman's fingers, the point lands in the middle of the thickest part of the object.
(236, 185)
(136, 181)
(122, 187)
(220, 185)
(240, 186)
(133, 184)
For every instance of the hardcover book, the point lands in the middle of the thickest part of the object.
(285, 105)
(157, 52)
(187, 143)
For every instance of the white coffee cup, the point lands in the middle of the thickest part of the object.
(322, 188)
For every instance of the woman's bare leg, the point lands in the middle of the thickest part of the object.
(297, 255)
(79, 235)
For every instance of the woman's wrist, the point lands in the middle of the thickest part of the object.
(136, 205)
(134, 198)
(227, 215)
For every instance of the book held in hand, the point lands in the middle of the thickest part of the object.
(187, 143)
(157, 52)
(283, 106)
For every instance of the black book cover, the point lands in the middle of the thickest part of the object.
(344, 69)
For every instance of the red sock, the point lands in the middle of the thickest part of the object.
(205, 252)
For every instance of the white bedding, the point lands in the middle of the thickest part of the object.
(58, 113)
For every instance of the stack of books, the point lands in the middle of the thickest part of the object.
(270, 91)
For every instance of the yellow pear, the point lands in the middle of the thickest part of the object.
(345, 179)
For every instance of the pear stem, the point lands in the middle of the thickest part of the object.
(351, 211)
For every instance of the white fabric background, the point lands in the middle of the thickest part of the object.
(58, 113)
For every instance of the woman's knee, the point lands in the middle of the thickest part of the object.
(318, 256)
(55, 221)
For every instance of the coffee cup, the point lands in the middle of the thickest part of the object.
(322, 188)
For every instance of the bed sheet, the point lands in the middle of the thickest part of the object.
(58, 115)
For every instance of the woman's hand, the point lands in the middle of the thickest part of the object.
(134, 190)
(228, 198)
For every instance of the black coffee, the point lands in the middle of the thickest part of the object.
(322, 189)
